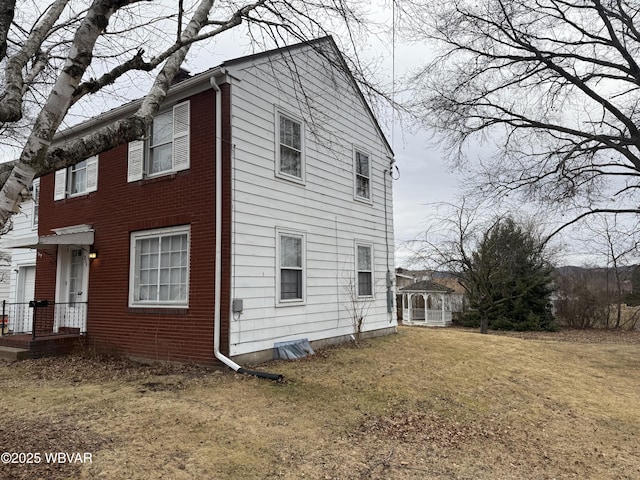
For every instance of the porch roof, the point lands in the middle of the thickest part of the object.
(85, 237)
(426, 286)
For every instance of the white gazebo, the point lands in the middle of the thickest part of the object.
(426, 303)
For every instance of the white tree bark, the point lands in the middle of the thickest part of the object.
(58, 102)
(27, 66)
(11, 104)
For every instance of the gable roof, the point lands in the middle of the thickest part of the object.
(317, 46)
(200, 81)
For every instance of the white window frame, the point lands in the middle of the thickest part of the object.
(157, 233)
(359, 244)
(277, 144)
(153, 145)
(360, 198)
(62, 179)
(279, 267)
(35, 198)
(140, 150)
(71, 179)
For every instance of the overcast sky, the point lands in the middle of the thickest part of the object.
(425, 178)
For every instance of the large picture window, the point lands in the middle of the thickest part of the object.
(290, 147)
(160, 267)
(290, 267)
(364, 272)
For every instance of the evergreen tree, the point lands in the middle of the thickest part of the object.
(509, 280)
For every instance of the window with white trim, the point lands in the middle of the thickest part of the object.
(76, 180)
(160, 268)
(289, 147)
(364, 270)
(166, 149)
(291, 271)
(362, 180)
(35, 198)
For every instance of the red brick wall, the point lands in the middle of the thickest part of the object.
(118, 208)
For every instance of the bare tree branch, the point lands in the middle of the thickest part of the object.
(66, 54)
(553, 85)
(11, 100)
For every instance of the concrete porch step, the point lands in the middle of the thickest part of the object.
(13, 354)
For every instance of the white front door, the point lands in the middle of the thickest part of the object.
(71, 290)
(22, 320)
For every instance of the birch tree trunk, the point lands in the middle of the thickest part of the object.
(33, 159)
(34, 53)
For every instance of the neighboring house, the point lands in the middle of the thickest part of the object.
(22, 270)
(260, 195)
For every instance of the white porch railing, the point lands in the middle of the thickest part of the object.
(42, 318)
(434, 317)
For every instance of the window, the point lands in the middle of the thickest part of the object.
(290, 254)
(78, 179)
(166, 149)
(75, 275)
(364, 270)
(362, 176)
(160, 267)
(35, 197)
(290, 147)
(160, 144)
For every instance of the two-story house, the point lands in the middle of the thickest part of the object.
(257, 210)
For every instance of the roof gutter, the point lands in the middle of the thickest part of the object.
(218, 255)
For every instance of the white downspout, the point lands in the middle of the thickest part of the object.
(218, 257)
(217, 289)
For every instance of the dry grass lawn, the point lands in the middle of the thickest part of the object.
(426, 403)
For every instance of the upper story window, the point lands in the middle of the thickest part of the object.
(160, 268)
(362, 180)
(291, 270)
(289, 147)
(35, 198)
(78, 179)
(364, 264)
(166, 149)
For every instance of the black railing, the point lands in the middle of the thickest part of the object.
(42, 318)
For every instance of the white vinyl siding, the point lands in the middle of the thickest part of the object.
(324, 210)
(76, 180)
(159, 270)
(167, 149)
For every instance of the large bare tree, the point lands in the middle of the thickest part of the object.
(551, 86)
(55, 54)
